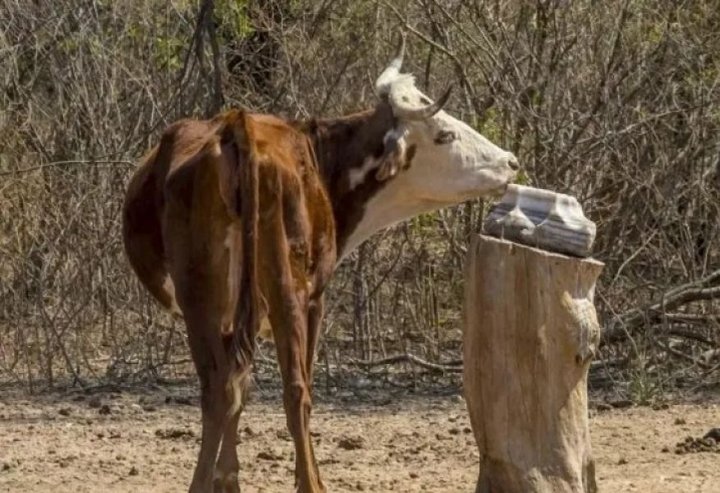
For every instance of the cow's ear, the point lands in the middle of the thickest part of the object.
(393, 155)
(389, 167)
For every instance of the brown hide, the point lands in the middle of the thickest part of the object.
(234, 219)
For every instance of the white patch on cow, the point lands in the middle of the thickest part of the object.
(232, 246)
(230, 232)
(265, 331)
(357, 175)
(394, 138)
(389, 206)
(169, 287)
(226, 479)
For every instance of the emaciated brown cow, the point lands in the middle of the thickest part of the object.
(244, 217)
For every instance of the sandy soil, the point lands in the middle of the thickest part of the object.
(67, 443)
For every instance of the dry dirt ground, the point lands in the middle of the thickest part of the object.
(146, 442)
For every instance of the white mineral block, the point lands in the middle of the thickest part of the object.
(543, 219)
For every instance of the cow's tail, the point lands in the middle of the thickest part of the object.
(246, 318)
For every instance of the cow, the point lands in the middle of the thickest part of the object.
(237, 223)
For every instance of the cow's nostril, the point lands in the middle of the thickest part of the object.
(513, 163)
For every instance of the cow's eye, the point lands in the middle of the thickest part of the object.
(445, 137)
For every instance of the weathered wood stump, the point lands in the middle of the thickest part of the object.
(530, 333)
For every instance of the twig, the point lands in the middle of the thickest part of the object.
(700, 290)
(688, 334)
(455, 366)
(681, 355)
(218, 99)
(449, 367)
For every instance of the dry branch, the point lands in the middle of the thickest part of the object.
(707, 288)
(449, 367)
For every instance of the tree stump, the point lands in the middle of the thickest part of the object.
(530, 333)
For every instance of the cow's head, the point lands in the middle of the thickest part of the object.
(446, 160)
(430, 159)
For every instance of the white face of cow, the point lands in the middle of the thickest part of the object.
(438, 160)
(451, 162)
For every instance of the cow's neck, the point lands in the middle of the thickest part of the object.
(347, 150)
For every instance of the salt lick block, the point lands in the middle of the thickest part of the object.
(543, 219)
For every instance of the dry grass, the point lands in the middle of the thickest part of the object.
(616, 102)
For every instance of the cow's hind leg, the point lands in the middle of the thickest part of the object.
(314, 318)
(287, 297)
(211, 363)
(291, 342)
(228, 466)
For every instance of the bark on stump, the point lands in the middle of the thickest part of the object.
(530, 333)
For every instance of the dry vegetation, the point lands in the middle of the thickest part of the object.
(617, 102)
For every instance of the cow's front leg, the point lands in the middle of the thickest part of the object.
(213, 368)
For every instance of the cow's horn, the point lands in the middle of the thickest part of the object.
(402, 110)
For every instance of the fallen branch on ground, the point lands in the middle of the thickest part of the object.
(456, 366)
(707, 288)
(449, 367)
(681, 355)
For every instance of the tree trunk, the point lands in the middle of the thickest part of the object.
(530, 333)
